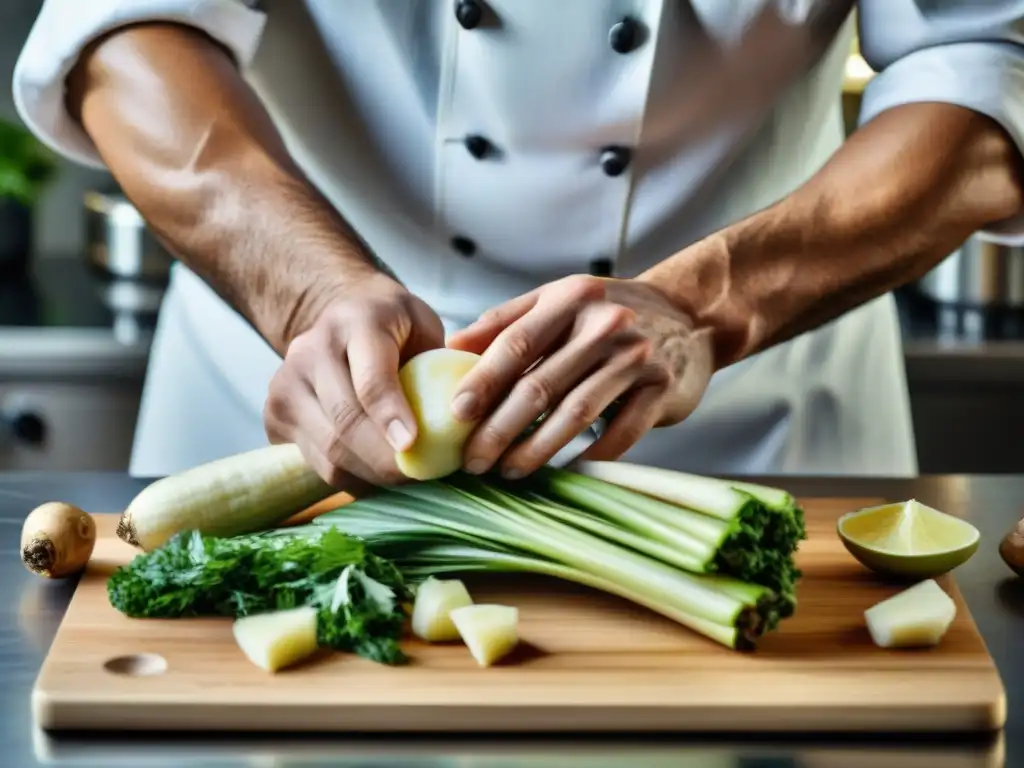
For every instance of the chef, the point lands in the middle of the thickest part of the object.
(637, 208)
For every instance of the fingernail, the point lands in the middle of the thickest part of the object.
(464, 405)
(512, 473)
(476, 467)
(398, 435)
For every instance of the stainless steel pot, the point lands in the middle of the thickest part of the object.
(119, 243)
(982, 274)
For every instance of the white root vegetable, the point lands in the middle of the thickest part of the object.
(431, 612)
(279, 639)
(489, 631)
(916, 617)
(239, 494)
(430, 381)
(57, 540)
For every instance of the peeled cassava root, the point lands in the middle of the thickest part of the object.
(279, 639)
(431, 613)
(917, 617)
(430, 381)
(490, 631)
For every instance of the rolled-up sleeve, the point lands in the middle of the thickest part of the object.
(964, 52)
(64, 27)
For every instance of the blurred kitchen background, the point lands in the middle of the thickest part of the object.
(81, 282)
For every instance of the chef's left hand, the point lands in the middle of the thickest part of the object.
(569, 350)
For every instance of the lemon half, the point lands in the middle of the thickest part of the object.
(908, 539)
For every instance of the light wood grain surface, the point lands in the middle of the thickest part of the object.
(588, 662)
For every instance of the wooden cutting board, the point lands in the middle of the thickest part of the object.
(588, 662)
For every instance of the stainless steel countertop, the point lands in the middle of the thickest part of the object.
(29, 620)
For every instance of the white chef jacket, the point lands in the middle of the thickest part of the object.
(483, 147)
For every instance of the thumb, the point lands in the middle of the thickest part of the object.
(373, 360)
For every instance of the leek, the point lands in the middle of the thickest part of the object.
(441, 559)
(763, 526)
(721, 563)
(723, 499)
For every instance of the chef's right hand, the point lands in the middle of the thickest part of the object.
(337, 394)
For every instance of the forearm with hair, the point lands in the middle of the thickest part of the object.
(195, 151)
(901, 194)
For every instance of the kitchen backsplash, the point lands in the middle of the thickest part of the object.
(59, 222)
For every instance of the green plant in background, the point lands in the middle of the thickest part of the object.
(26, 165)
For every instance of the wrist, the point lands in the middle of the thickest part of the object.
(310, 303)
(901, 194)
(273, 246)
(702, 281)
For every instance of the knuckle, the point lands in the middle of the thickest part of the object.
(484, 380)
(343, 310)
(347, 318)
(581, 411)
(334, 345)
(492, 316)
(663, 375)
(528, 457)
(275, 431)
(345, 417)
(372, 390)
(641, 353)
(302, 351)
(518, 345)
(660, 380)
(428, 326)
(536, 390)
(394, 320)
(618, 317)
(334, 448)
(579, 288)
(276, 414)
(278, 406)
(491, 440)
(630, 432)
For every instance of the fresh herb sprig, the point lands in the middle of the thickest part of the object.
(359, 596)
